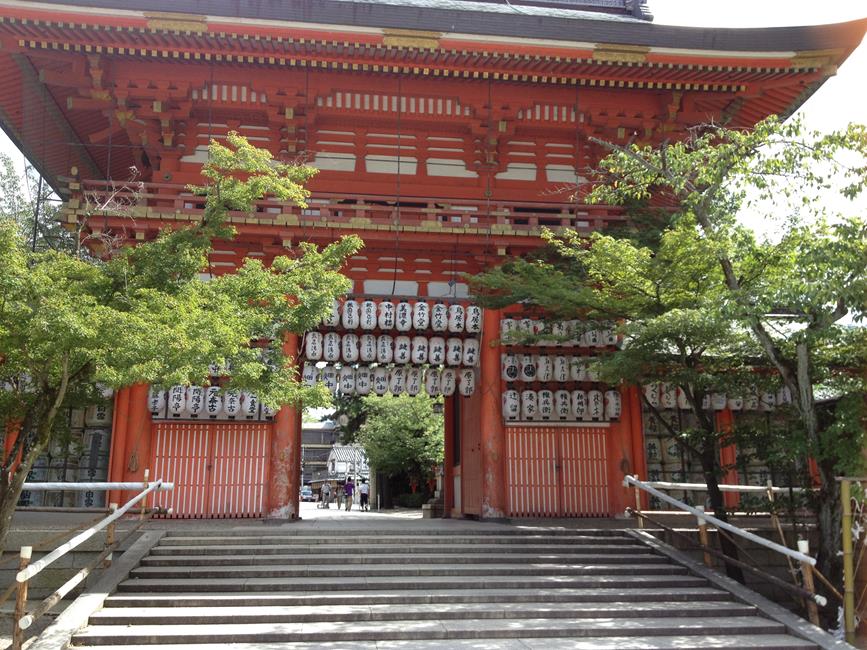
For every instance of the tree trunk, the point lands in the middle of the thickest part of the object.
(709, 466)
(829, 519)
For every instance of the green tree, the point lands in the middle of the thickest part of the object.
(142, 314)
(402, 434)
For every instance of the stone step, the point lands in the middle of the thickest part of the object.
(350, 569)
(408, 584)
(340, 539)
(363, 612)
(421, 630)
(419, 558)
(565, 595)
(440, 530)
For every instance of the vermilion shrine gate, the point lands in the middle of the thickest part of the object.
(445, 135)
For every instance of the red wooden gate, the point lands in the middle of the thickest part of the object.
(219, 469)
(557, 471)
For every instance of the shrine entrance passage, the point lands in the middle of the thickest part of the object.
(557, 471)
(219, 469)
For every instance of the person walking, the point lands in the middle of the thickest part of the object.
(326, 494)
(349, 490)
(364, 494)
(339, 497)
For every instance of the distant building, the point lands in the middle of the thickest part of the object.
(317, 440)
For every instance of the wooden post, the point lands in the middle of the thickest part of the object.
(109, 537)
(776, 521)
(807, 576)
(703, 537)
(144, 503)
(20, 600)
(638, 503)
(848, 564)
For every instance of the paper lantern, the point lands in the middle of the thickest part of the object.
(347, 380)
(508, 326)
(215, 369)
(432, 381)
(232, 403)
(213, 402)
(705, 402)
(195, 400)
(577, 369)
(595, 405)
(457, 318)
(529, 405)
(510, 370)
(559, 332)
(384, 349)
(402, 349)
(590, 371)
(267, 412)
(403, 317)
(511, 405)
(177, 403)
(784, 396)
(651, 393)
(718, 401)
(592, 338)
(751, 402)
(546, 404)
(561, 368)
(329, 378)
(544, 368)
(563, 405)
(528, 367)
(419, 350)
(386, 315)
(768, 401)
(612, 405)
(380, 380)
(368, 315)
(350, 315)
(448, 382)
(437, 351)
(332, 318)
(420, 315)
(249, 405)
(313, 346)
(156, 400)
(668, 396)
(363, 380)
(454, 352)
(471, 352)
(611, 338)
(397, 381)
(439, 317)
(413, 381)
(525, 327)
(682, 401)
(367, 348)
(474, 319)
(349, 348)
(735, 403)
(579, 404)
(309, 374)
(466, 381)
(331, 346)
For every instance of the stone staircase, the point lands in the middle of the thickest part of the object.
(487, 589)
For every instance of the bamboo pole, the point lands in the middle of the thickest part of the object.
(20, 599)
(638, 504)
(848, 566)
(144, 504)
(807, 577)
(109, 536)
(703, 538)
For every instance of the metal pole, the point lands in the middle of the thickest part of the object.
(20, 599)
(848, 565)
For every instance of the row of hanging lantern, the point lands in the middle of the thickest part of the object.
(396, 380)
(668, 396)
(369, 348)
(561, 405)
(211, 402)
(404, 316)
(571, 333)
(547, 368)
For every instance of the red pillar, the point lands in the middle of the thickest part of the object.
(491, 422)
(136, 456)
(284, 482)
(448, 456)
(120, 425)
(633, 429)
(728, 456)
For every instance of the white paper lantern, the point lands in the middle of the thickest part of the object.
(432, 381)
(525, 327)
(363, 380)
(768, 401)
(386, 315)
(546, 404)
(380, 380)
(511, 405)
(349, 348)
(558, 332)
(384, 349)
(682, 401)
(195, 400)
(368, 315)
(735, 403)
(611, 338)
(544, 368)
(313, 346)
(439, 317)
(751, 402)
(529, 405)
(232, 403)
(718, 401)
(454, 352)
(508, 327)
(474, 319)
(397, 381)
(213, 402)
(563, 405)
(784, 396)
(156, 400)
(592, 338)
(467, 381)
(576, 332)
(267, 412)
(595, 405)
(177, 404)
(420, 316)
(413, 381)
(471, 352)
(579, 405)
(402, 349)
(668, 396)
(528, 367)
(419, 350)
(612, 405)
(350, 315)
(332, 318)
(577, 369)
(367, 348)
(347, 380)
(403, 317)
(309, 374)
(590, 372)
(510, 371)
(437, 351)
(448, 382)
(250, 405)
(329, 378)
(215, 369)
(651, 393)
(457, 318)
(561, 368)
(331, 346)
